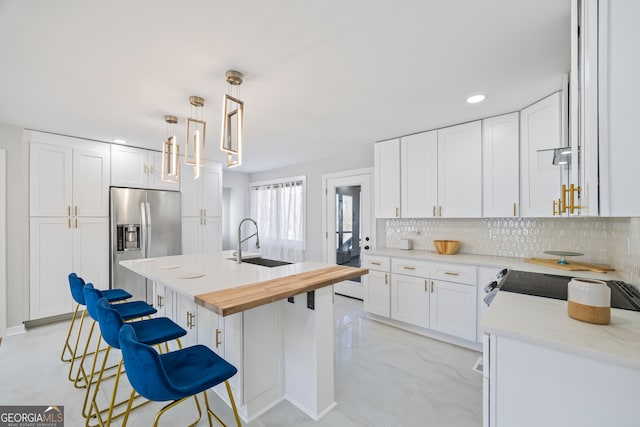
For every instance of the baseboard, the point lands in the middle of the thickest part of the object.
(16, 330)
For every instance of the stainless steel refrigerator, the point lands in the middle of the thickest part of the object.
(144, 224)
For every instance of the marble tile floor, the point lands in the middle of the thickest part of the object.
(383, 377)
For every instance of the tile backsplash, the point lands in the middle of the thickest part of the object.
(613, 241)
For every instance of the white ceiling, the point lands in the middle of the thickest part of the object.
(321, 77)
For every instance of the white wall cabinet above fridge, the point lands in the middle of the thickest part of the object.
(387, 178)
(138, 168)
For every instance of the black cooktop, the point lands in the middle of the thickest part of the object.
(623, 295)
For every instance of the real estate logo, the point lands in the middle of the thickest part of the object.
(31, 416)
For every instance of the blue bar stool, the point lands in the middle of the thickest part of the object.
(175, 376)
(128, 311)
(159, 330)
(76, 285)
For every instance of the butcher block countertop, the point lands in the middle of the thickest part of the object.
(229, 301)
(220, 284)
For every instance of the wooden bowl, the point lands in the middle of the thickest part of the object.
(446, 247)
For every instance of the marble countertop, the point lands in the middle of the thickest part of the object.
(489, 261)
(193, 275)
(545, 322)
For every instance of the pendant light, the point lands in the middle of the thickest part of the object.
(196, 133)
(171, 152)
(232, 120)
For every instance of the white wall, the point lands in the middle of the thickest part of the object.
(17, 225)
(3, 242)
(360, 157)
(237, 186)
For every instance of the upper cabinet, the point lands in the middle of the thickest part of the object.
(540, 179)
(68, 176)
(617, 61)
(138, 168)
(387, 178)
(460, 171)
(500, 166)
(419, 183)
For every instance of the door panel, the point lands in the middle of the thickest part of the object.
(165, 217)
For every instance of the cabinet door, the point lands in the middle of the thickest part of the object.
(419, 182)
(210, 330)
(410, 299)
(211, 235)
(51, 180)
(453, 309)
(460, 170)
(91, 251)
(377, 293)
(50, 250)
(191, 190)
(191, 235)
(91, 179)
(186, 316)
(129, 167)
(155, 174)
(500, 166)
(540, 180)
(211, 197)
(387, 178)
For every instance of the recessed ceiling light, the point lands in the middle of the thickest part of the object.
(119, 141)
(474, 99)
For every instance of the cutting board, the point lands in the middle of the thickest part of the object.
(572, 266)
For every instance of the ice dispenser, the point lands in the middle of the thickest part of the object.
(128, 237)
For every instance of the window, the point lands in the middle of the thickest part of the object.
(279, 209)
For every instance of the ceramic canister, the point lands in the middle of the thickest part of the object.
(589, 300)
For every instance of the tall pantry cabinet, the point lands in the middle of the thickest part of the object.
(69, 218)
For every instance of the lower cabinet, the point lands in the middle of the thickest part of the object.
(452, 309)
(410, 300)
(377, 296)
(414, 293)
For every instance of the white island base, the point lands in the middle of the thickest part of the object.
(282, 351)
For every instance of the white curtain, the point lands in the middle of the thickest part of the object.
(279, 211)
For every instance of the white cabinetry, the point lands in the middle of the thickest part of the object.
(460, 171)
(69, 224)
(540, 180)
(377, 292)
(619, 62)
(419, 181)
(138, 168)
(202, 210)
(500, 166)
(387, 179)
(409, 292)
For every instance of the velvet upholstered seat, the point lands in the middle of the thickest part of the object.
(173, 376)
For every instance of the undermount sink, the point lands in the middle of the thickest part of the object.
(264, 262)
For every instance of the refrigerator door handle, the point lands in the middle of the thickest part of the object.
(148, 230)
(143, 229)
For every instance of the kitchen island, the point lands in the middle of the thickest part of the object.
(274, 324)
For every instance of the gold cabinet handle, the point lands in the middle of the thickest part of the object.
(69, 222)
(386, 280)
(76, 222)
(218, 333)
(432, 286)
(554, 208)
(201, 212)
(408, 267)
(514, 209)
(450, 273)
(145, 168)
(434, 210)
(376, 263)
(76, 210)
(397, 212)
(440, 210)
(151, 169)
(425, 285)
(561, 207)
(159, 301)
(200, 220)
(205, 220)
(69, 210)
(205, 212)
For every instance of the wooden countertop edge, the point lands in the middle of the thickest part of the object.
(235, 300)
